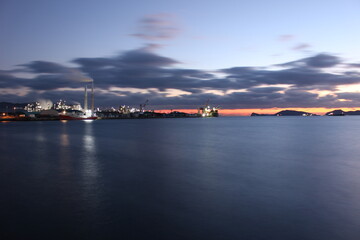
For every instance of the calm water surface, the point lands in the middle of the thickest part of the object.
(221, 178)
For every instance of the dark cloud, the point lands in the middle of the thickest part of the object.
(137, 58)
(266, 90)
(51, 82)
(298, 77)
(354, 65)
(95, 63)
(304, 76)
(8, 81)
(349, 96)
(144, 58)
(45, 67)
(144, 69)
(321, 60)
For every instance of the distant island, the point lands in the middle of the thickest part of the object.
(285, 113)
(337, 112)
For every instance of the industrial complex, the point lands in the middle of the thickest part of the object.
(46, 110)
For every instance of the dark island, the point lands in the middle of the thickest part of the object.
(337, 112)
(285, 113)
(340, 112)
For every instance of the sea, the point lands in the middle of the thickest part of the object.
(191, 178)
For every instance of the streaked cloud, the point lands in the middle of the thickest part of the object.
(134, 75)
(158, 27)
(301, 46)
(322, 60)
(286, 37)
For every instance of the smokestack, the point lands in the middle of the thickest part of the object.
(92, 98)
(85, 100)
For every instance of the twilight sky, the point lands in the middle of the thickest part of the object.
(239, 54)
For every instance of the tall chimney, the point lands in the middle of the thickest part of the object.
(92, 97)
(85, 100)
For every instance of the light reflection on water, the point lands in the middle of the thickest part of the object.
(40, 139)
(90, 168)
(65, 156)
(90, 172)
(64, 140)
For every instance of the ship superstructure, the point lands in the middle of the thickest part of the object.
(208, 111)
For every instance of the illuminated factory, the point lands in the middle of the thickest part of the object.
(46, 110)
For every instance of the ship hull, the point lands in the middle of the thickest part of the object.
(64, 117)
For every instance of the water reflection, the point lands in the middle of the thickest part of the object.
(90, 168)
(40, 142)
(64, 140)
(40, 137)
(65, 157)
(187, 178)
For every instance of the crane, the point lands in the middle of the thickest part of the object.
(142, 106)
(207, 103)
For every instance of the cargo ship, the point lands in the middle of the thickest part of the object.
(208, 111)
(65, 117)
(75, 115)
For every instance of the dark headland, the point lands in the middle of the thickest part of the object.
(337, 112)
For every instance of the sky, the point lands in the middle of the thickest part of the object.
(243, 56)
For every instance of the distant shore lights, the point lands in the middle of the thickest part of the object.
(89, 112)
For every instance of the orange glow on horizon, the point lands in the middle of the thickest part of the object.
(247, 112)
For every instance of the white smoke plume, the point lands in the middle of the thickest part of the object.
(45, 103)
